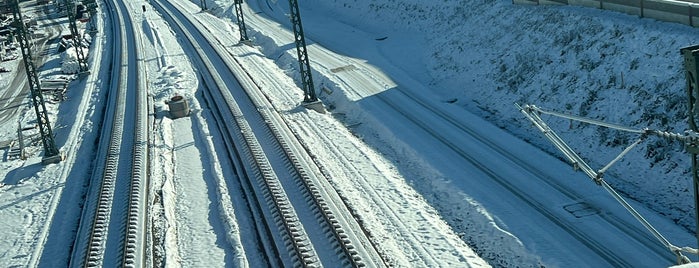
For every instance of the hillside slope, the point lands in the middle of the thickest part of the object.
(487, 55)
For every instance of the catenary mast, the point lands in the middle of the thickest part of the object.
(51, 153)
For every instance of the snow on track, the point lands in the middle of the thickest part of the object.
(194, 221)
(287, 98)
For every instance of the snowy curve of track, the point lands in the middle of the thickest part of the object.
(422, 235)
(366, 81)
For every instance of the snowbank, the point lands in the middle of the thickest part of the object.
(487, 55)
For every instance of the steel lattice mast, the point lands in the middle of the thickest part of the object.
(309, 94)
(241, 21)
(51, 153)
(77, 39)
(91, 6)
(691, 60)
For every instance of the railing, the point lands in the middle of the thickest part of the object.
(685, 12)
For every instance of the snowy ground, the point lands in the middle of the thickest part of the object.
(477, 57)
(488, 55)
(419, 219)
(37, 216)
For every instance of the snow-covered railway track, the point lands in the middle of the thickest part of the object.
(397, 221)
(415, 114)
(112, 227)
(310, 225)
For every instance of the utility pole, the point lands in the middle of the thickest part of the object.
(691, 58)
(77, 38)
(309, 94)
(202, 3)
(241, 22)
(51, 153)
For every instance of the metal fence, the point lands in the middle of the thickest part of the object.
(685, 12)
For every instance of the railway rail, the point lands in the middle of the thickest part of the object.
(466, 136)
(392, 211)
(299, 214)
(278, 174)
(287, 188)
(112, 227)
(410, 112)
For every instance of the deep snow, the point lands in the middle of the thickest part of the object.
(488, 55)
(481, 56)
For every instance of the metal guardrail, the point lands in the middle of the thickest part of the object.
(685, 12)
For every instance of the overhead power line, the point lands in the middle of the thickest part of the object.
(532, 113)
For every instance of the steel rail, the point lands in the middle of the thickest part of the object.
(258, 172)
(112, 227)
(276, 128)
(232, 138)
(585, 239)
(105, 163)
(525, 197)
(135, 241)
